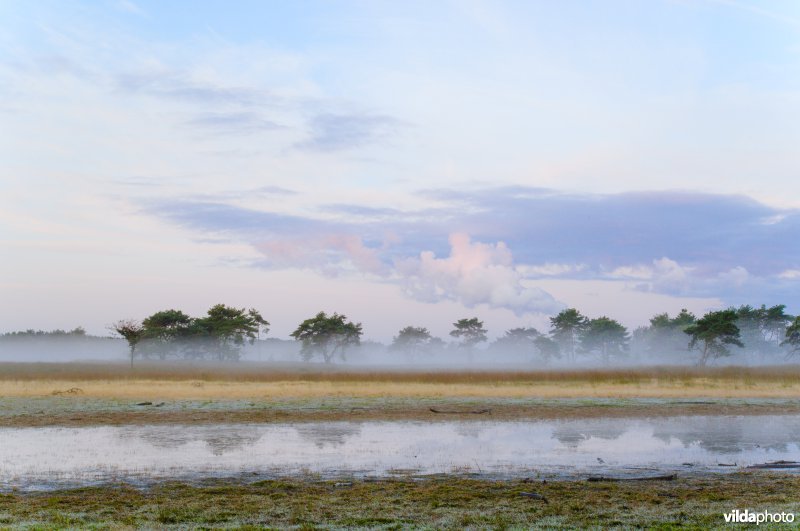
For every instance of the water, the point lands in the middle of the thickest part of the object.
(42, 458)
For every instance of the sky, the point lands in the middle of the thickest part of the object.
(403, 163)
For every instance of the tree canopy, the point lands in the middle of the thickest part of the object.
(792, 337)
(566, 329)
(225, 329)
(665, 337)
(526, 340)
(516, 337)
(327, 335)
(469, 331)
(132, 331)
(217, 335)
(712, 334)
(412, 340)
(162, 332)
(605, 336)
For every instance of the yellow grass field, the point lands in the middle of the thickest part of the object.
(243, 382)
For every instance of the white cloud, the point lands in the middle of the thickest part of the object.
(663, 274)
(790, 274)
(668, 276)
(330, 254)
(736, 277)
(638, 272)
(549, 269)
(474, 273)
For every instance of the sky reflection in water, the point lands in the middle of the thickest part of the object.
(32, 458)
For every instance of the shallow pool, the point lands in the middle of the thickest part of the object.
(40, 458)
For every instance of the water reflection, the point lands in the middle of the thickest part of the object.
(731, 435)
(573, 435)
(48, 457)
(219, 439)
(322, 435)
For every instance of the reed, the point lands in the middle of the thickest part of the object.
(251, 372)
(243, 381)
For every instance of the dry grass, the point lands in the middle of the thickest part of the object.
(199, 390)
(253, 372)
(244, 381)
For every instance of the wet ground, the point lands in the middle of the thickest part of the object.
(78, 411)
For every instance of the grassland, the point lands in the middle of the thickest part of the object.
(245, 381)
(96, 394)
(436, 503)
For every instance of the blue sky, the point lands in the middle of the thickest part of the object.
(404, 163)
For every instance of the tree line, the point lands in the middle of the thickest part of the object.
(768, 333)
(30, 333)
(219, 335)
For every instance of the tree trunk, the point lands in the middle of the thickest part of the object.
(704, 356)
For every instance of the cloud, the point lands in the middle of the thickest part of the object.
(234, 222)
(712, 232)
(676, 243)
(333, 132)
(232, 123)
(330, 254)
(366, 212)
(174, 84)
(550, 270)
(474, 273)
(668, 276)
(790, 274)
(129, 7)
(273, 190)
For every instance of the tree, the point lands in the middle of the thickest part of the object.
(664, 337)
(606, 337)
(225, 329)
(327, 336)
(712, 334)
(518, 337)
(526, 340)
(412, 340)
(163, 332)
(776, 321)
(566, 329)
(751, 323)
(792, 337)
(132, 331)
(763, 328)
(546, 348)
(469, 331)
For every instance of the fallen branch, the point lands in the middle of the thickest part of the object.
(666, 477)
(534, 495)
(72, 391)
(472, 412)
(776, 464)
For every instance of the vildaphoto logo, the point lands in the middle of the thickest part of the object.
(761, 517)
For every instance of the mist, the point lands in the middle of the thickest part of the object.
(642, 348)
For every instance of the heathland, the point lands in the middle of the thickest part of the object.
(95, 394)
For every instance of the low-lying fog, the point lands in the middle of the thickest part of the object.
(450, 356)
